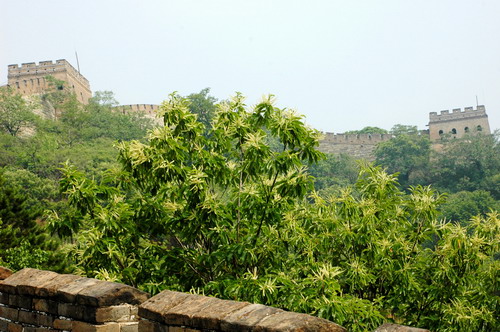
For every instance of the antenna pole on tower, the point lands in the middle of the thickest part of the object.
(477, 103)
(77, 62)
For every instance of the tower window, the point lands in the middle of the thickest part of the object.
(454, 131)
(479, 128)
(441, 133)
(466, 129)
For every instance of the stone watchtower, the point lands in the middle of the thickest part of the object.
(30, 78)
(458, 123)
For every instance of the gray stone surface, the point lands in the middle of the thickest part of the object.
(106, 293)
(291, 321)
(154, 308)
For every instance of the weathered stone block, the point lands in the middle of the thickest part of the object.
(291, 321)
(63, 324)
(86, 327)
(20, 301)
(29, 329)
(47, 306)
(109, 294)
(247, 317)
(120, 313)
(388, 327)
(14, 327)
(50, 287)
(129, 327)
(153, 308)
(4, 298)
(68, 293)
(9, 284)
(33, 280)
(4, 325)
(4, 273)
(181, 314)
(28, 317)
(203, 312)
(151, 326)
(45, 320)
(176, 329)
(71, 310)
(9, 313)
(38, 329)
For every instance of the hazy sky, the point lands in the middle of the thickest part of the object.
(343, 64)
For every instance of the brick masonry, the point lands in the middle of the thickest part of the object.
(41, 301)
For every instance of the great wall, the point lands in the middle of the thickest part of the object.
(31, 79)
(41, 301)
(34, 300)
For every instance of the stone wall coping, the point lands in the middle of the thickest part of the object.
(70, 288)
(33, 300)
(202, 312)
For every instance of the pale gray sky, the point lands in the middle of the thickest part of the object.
(343, 64)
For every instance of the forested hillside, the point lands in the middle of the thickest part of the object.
(237, 202)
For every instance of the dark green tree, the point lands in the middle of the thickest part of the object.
(15, 112)
(337, 171)
(408, 155)
(206, 206)
(23, 242)
(203, 105)
(227, 215)
(471, 163)
(368, 130)
(400, 129)
(463, 205)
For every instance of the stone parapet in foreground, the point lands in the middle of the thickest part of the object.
(42, 301)
(39, 301)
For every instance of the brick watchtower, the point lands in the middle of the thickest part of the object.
(30, 78)
(458, 123)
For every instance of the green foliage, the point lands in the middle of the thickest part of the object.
(368, 130)
(471, 163)
(25, 255)
(225, 214)
(15, 112)
(400, 129)
(406, 154)
(23, 242)
(39, 193)
(200, 203)
(463, 205)
(334, 172)
(203, 105)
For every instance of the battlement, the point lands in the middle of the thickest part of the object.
(149, 109)
(458, 123)
(30, 78)
(44, 68)
(457, 113)
(355, 138)
(360, 146)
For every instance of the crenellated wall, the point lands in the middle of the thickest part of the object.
(41, 301)
(458, 123)
(149, 111)
(360, 146)
(30, 78)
